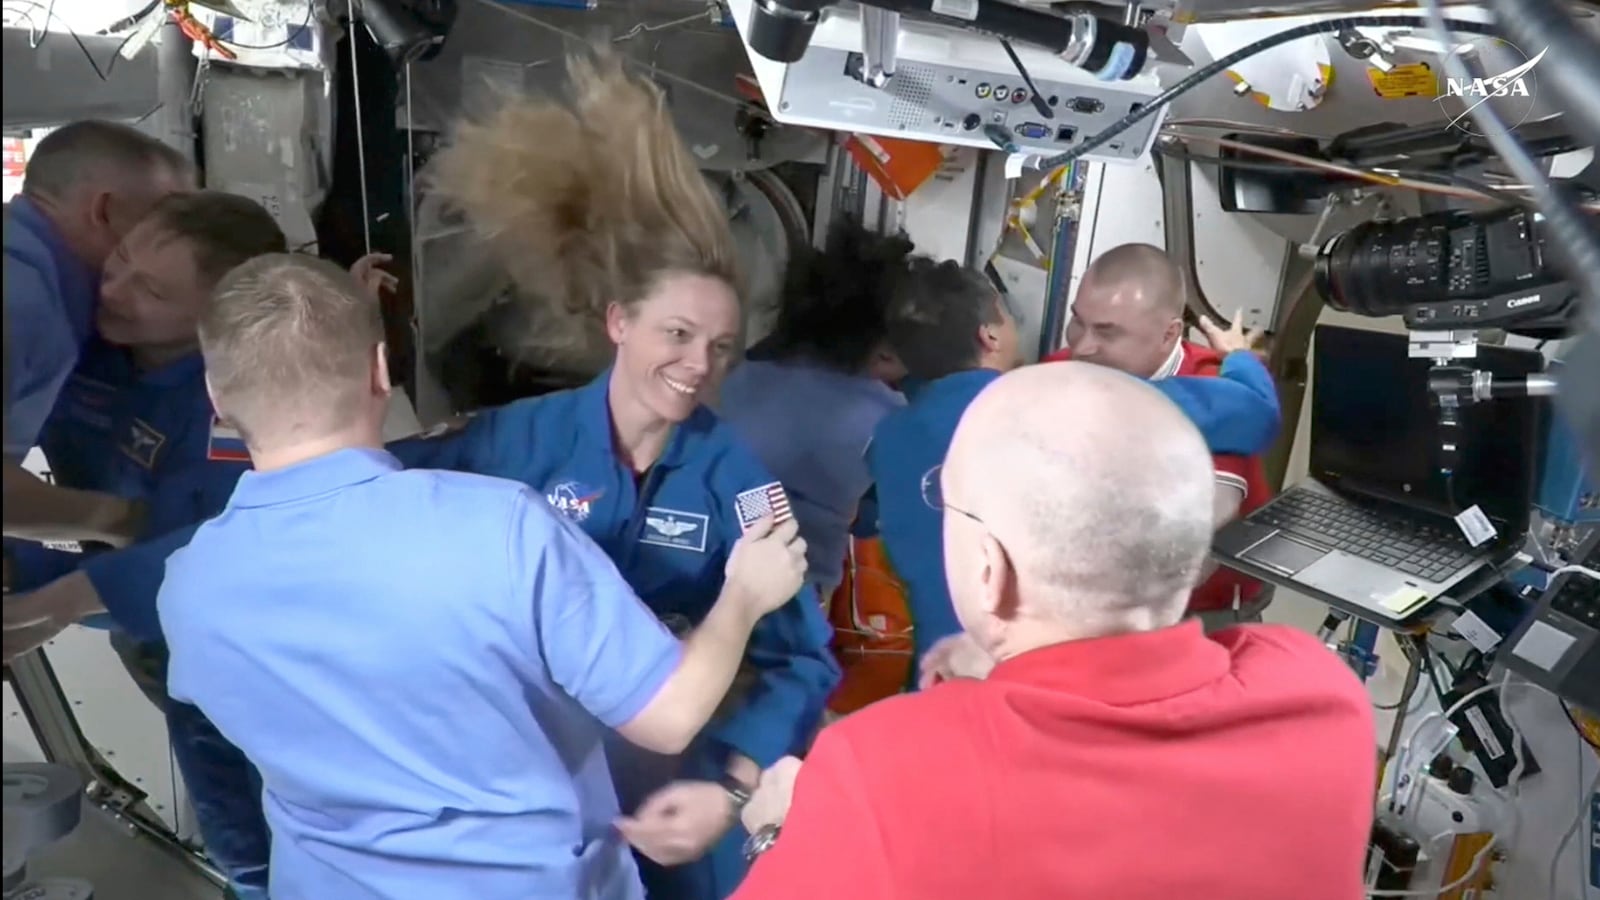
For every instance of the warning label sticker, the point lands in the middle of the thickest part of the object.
(1410, 80)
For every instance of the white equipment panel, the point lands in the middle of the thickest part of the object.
(948, 84)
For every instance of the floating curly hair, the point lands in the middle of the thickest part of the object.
(587, 202)
(835, 300)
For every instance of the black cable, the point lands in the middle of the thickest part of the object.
(1039, 103)
(1567, 710)
(1574, 240)
(293, 36)
(82, 47)
(1205, 73)
(1573, 54)
(1428, 669)
(132, 20)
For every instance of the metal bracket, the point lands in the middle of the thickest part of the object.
(880, 35)
(44, 705)
(1444, 345)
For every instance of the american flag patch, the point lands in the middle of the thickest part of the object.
(226, 444)
(767, 500)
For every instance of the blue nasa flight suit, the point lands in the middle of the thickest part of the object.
(145, 435)
(49, 311)
(669, 532)
(422, 663)
(1237, 413)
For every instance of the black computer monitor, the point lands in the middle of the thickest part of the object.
(1375, 429)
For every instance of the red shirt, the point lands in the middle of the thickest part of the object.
(1242, 473)
(1240, 766)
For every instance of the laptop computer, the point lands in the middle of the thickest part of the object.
(1373, 531)
(1558, 646)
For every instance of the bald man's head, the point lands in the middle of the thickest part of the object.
(1094, 494)
(1129, 310)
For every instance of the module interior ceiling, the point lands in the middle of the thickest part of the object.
(490, 44)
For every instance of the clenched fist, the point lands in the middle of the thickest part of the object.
(768, 565)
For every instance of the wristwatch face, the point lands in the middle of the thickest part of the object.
(760, 842)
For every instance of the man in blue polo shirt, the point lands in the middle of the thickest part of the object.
(416, 660)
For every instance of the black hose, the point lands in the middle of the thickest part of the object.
(1572, 66)
(1573, 234)
(1573, 73)
(1205, 73)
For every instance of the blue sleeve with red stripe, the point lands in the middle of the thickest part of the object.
(1237, 412)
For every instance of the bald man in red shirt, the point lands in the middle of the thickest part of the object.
(1113, 751)
(1128, 315)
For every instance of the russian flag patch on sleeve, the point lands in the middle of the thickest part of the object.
(226, 444)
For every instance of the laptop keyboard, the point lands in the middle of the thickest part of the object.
(1579, 596)
(1411, 547)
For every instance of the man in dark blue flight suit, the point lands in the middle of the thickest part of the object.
(133, 420)
(956, 336)
(87, 184)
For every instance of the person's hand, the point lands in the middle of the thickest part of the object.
(769, 804)
(680, 822)
(126, 520)
(1233, 339)
(374, 279)
(768, 565)
(957, 656)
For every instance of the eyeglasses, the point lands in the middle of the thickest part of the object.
(933, 494)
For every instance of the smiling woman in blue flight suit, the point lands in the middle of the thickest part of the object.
(627, 228)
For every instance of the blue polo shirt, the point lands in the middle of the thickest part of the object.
(421, 665)
(50, 297)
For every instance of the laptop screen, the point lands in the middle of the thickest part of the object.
(1375, 429)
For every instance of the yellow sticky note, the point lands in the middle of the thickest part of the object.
(1405, 600)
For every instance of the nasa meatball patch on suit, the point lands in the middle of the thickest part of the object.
(573, 499)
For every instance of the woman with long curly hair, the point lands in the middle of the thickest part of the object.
(809, 396)
(596, 208)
